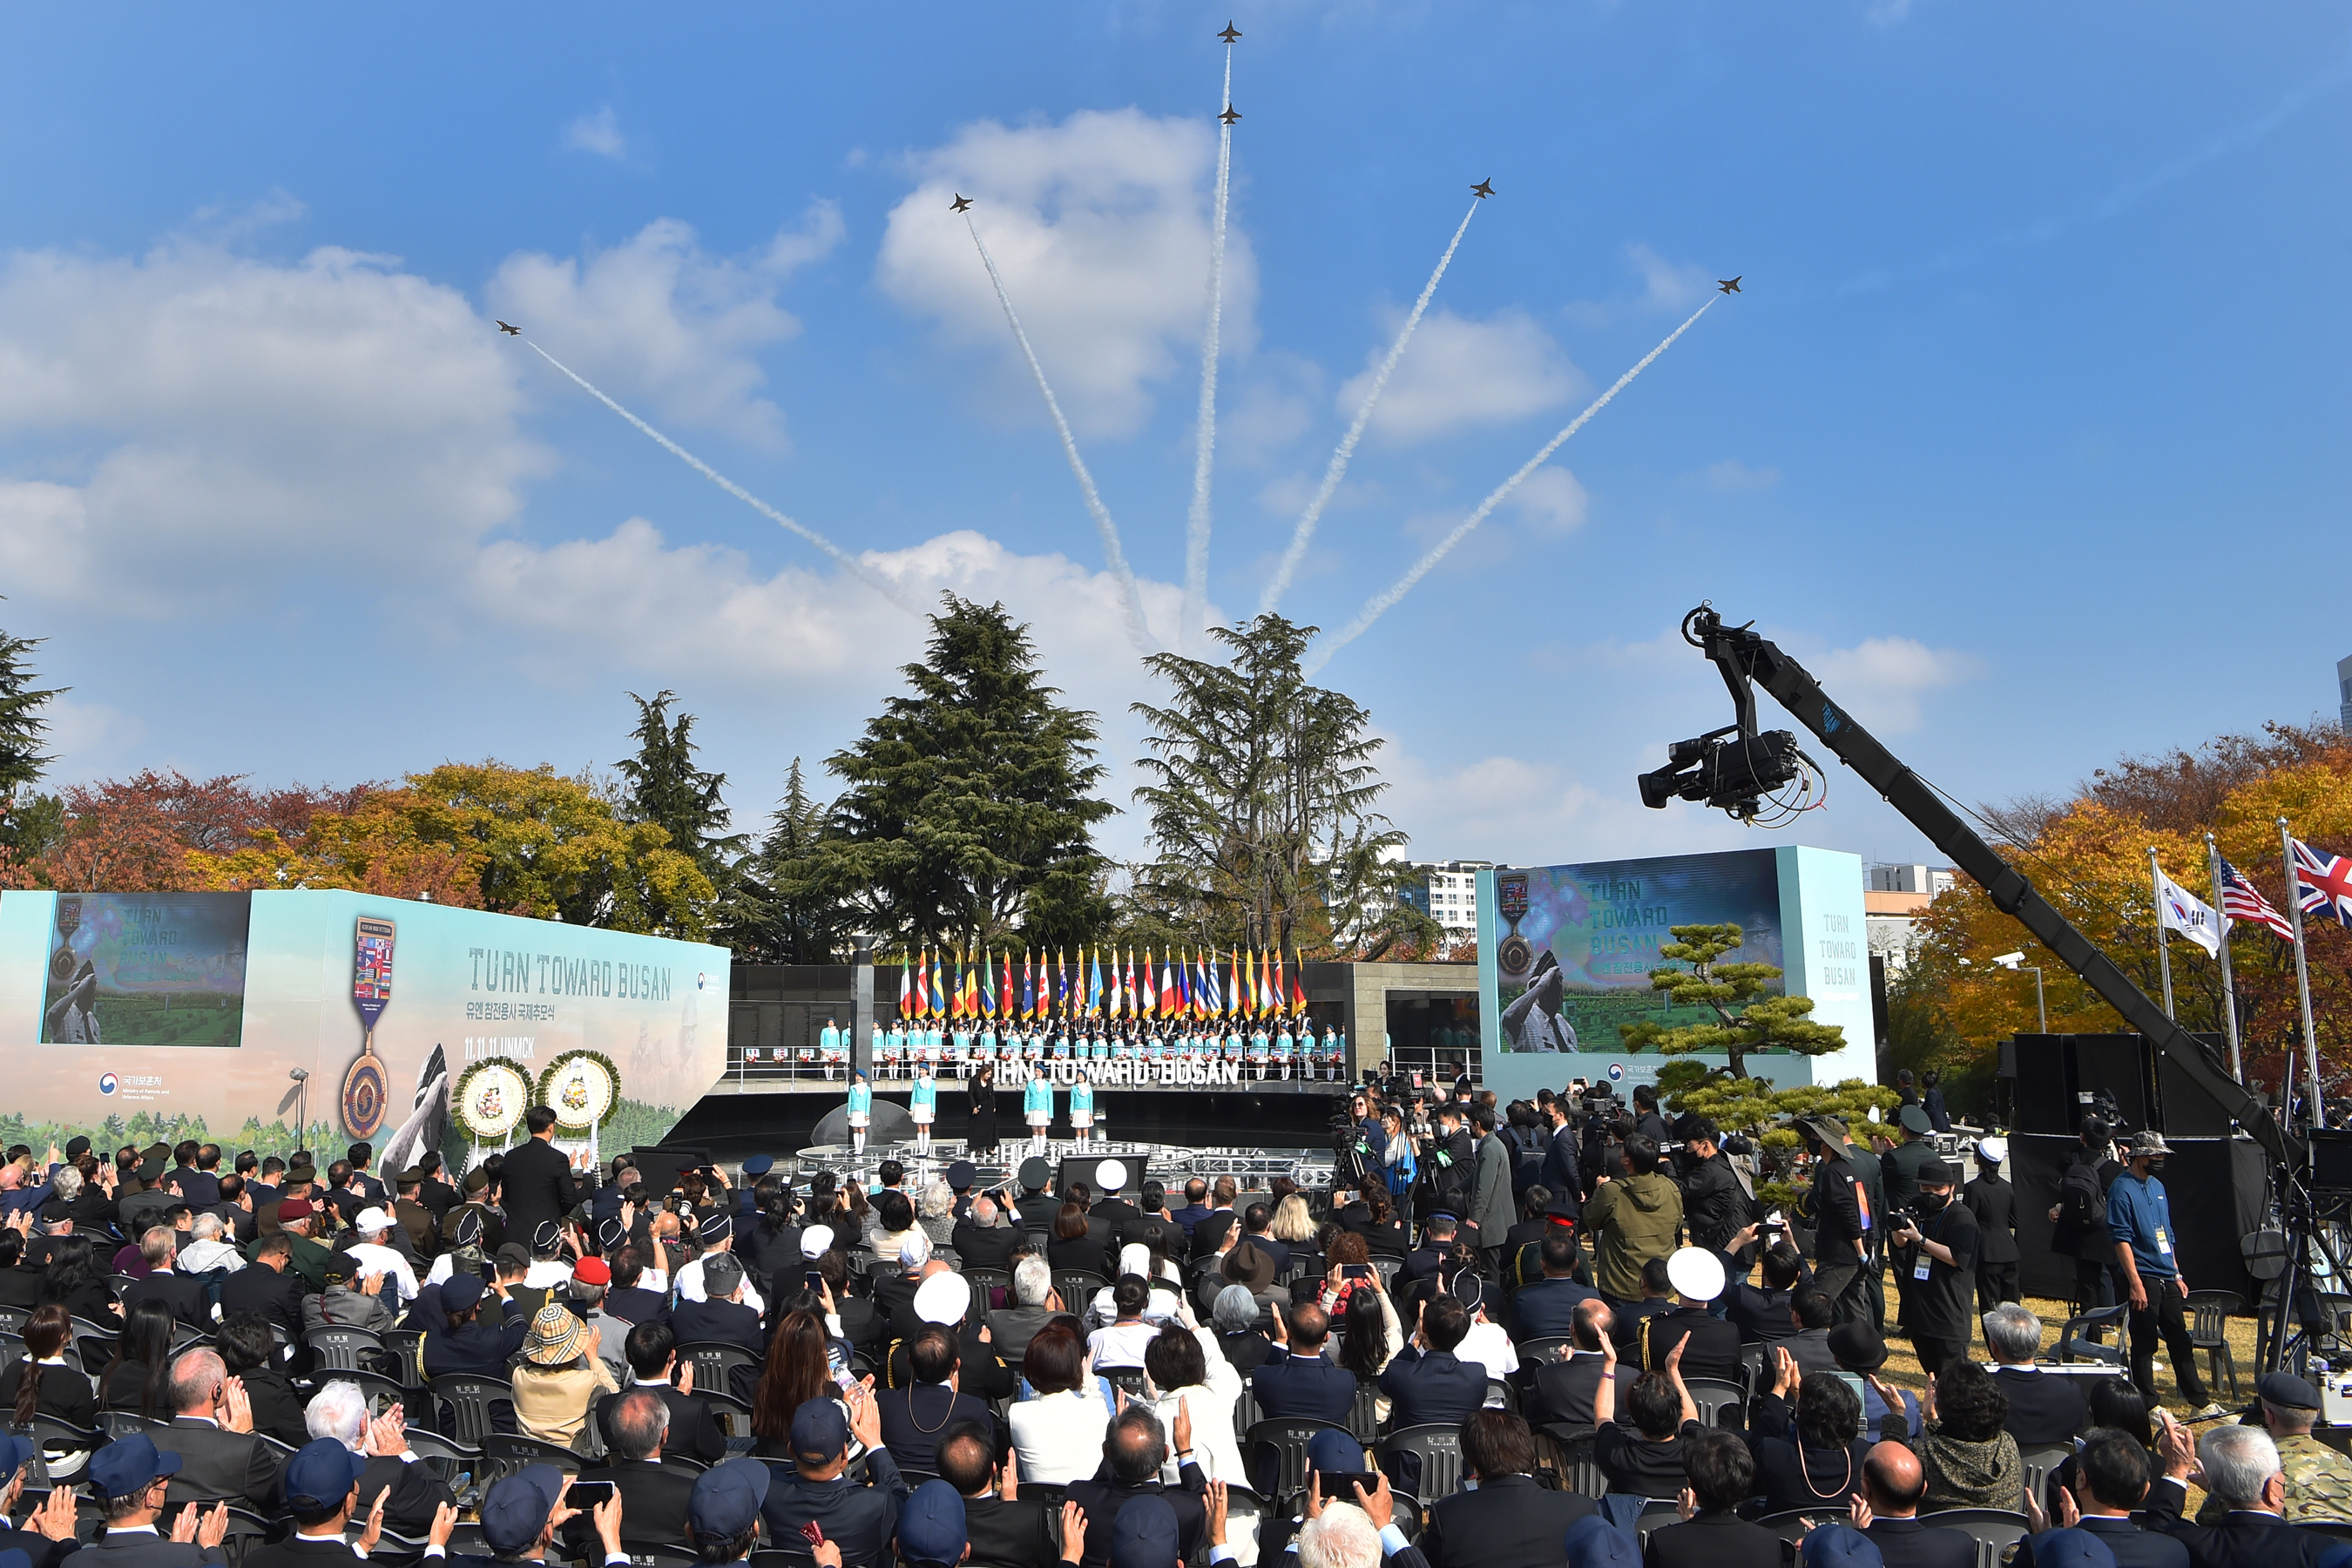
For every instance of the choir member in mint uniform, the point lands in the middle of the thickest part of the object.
(1282, 1046)
(1233, 1042)
(935, 1042)
(1034, 1047)
(828, 1046)
(1037, 1109)
(1258, 1048)
(923, 1105)
(1098, 1048)
(1082, 1110)
(894, 1046)
(1339, 1046)
(960, 1043)
(861, 1112)
(1062, 1046)
(984, 1048)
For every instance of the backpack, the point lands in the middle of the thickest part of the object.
(2082, 1205)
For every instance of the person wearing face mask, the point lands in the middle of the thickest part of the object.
(1941, 1287)
(2139, 1220)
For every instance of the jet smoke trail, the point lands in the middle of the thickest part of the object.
(866, 574)
(1113, 554)
(1305, 532)
(1375, 609)
(1204, 448)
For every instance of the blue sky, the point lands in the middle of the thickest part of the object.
(2028, 430)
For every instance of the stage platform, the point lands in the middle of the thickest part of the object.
(1252, 1169)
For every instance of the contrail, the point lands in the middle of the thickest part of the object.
(1374, 610)
(1114, 555)
(1347, 447)
(1204, 446)
(872, 578)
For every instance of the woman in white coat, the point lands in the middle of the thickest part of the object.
(1184, 1363)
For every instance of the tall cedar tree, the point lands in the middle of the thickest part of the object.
(1262, 823)
(782, 908)
(969, 813)
(668, 790)
(22, 729)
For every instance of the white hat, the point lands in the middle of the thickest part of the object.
(1994, 1149)
(1696, 1273)
(943, 1299)
(1110, 1175)
(372, 1220)
(1135, 1258)
(816, 1241)
(915, 1250)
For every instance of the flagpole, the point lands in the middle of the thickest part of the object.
(2228, 987)
(2163, 953)
(2302, 973)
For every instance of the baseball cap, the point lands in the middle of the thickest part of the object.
(321, 1474)
(1144, 1535)
(816, 1241)
(820, 1431)
(721, 1272)
(594, 1271)
(943, 1299)
(372, 1219)
(516, 1508)
(461, 1291)
(1593, 1543)
(932, 1524)
(726, 1497)
(125, 1467)
(1843, 1546)
(1333, 1452)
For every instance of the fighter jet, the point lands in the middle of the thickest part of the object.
(961, 201)
(510, 332)
(1229, 115)
(1231, 32)
(1485, 188)
(1728, 285)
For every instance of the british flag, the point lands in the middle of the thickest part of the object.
(2241, 902)
(2324, 882)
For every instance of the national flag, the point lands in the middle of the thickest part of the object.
(1269, 997)
(1095, 986)
(955, 997)
(906, 985)
(1028, 1008)
(1249, 985)
(1281, 996)
(987, 984)
(971, 987)
(1175, 997)
(2240, 901)
(1229, 998)
(2322, 883)
(1298, 991)
(936, 973)
(1168, 985)
(2178, 910)
(1012, 995)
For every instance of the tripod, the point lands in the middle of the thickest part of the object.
(2298, 1322)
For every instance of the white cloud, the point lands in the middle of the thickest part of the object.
(657, 318)
(232, 423)
(1100, 227)
(1552, 501)
(1731, 477)
(1881, 680)
(1668, 285)
(599, 134)
(1462, 372)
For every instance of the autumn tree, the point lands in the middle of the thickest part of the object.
(1263, 802)
(968, 810)
(1747, 1015)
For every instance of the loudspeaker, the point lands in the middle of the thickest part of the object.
(2046, 1098)
(2219, 1190)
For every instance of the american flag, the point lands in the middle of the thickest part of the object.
(2324, 882)
(2241, 902)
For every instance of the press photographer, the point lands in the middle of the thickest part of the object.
(1940, 1239)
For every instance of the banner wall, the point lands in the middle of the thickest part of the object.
(183, 1015)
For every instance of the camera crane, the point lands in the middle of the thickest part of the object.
(1739, 770)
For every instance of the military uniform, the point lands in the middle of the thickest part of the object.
(2318, 1484)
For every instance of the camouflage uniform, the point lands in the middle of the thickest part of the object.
(2318, 1483)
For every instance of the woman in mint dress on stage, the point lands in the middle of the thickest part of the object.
(1037, 1109)
(923, 1106)
(861, 1112)
(1082, 1110)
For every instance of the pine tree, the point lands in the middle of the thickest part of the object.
(1763, 1021)
(1262, 813)
(29, 829)
(969, 813)
(668, 790)
(784, 908)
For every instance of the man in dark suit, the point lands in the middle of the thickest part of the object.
(369, 1187)
(267, 1285)
(1208, 1232)
(536, 1178)
(1426, 1383)
(1158, 1227)
(1710, 1345)
(2042, 1410)
(434, 1193)
(983, 1239)
(1002, 1526)
(339, 1410)
(2239, 1465)
(1134, 1449)
(627, 1299)
(1892, 1485)
(912, 1417)
(1296, 1381)
(694, 1432)
(46, 1537)
(184, 1297)
(1761, 1313)
(1722, 1476)
(1564, 1389)
(134, 1476)
(1508, 1519)
(860, 1519)
(1426, 1260)
(198, 1187)
(654, 1496)
(1546, 1309)
(2111, 1477)
(1035, 1206)
(221, 1459)
(721, 1317)
(323, 1497)
(1116, 1209)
